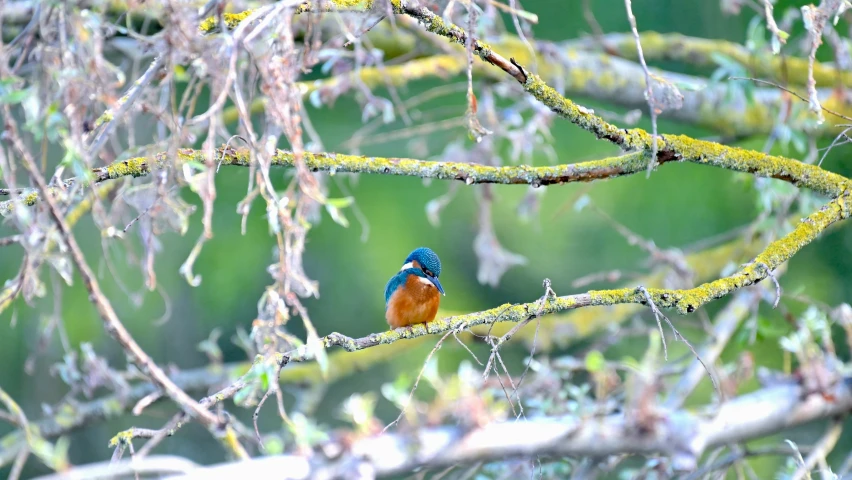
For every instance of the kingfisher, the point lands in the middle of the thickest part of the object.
(411, 296)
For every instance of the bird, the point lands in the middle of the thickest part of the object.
(412, 295)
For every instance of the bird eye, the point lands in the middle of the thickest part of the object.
(428, 272)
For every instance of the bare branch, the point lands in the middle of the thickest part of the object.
(160, 464)
(701, 52)
(112, 324)
(685, 301)
(649, 89)
(110, 118)
(708, 153)
(726, 324)
(679, 434)
(779, 37)
(821, 450)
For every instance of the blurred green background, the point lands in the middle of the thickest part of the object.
(678, 205)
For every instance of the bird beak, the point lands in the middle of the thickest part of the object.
(437, 284)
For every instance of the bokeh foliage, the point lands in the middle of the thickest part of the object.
(677, 206)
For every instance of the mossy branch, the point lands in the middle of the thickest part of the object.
(232, 20)
(599, 75)
(684, 301)
(555, 329)
(698, 51)
(668, 147)
(70, 417)
(672, 147)
(677, 148)
(562, 329)
(432, 22)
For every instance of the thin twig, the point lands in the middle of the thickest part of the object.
(778, 37)
(649, 87)
(10, 240)
(734, 457)
(144, 402)
(726, 324)
(791, 92)
(775, 281)
(256, 414)
(171, 426)
(363, 32)
(821, 450)
(657, 315)
(417, 381)
(22, 423)
(814, 20)
(111, 322)
(111, 117)
(141, 214)
(467, 348)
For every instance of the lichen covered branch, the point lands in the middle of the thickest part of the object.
(673, 148)
(703, 52)
(684, 301)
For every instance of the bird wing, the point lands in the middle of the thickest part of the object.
(395, 282)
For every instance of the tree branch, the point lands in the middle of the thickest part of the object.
(696, 151)
(672, 147)
(205, 379)
(679, 434)
(740, 119)
(112, 116)
(685, 301)
(670, 46)
(591, 74)
(335, 162)
(112, 324)
(682, 435)
(702, 52)
(555, 329)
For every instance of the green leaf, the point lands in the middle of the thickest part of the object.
(9, 94)
(180, 73)
(631, 363)
(13, 97)
(334, 206)
(307, 433)
(769, 329)
(317, 349)
(337, 216)
(595, 361)
(756, 34)
(210, 346)
(242, 395)
(9, 81)
(264, 380)
(340, 202)
(273, 445)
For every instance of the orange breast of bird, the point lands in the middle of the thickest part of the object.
(412, 303)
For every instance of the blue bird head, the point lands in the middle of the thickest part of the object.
(426, 259)
(423, 263)
(428, 264)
